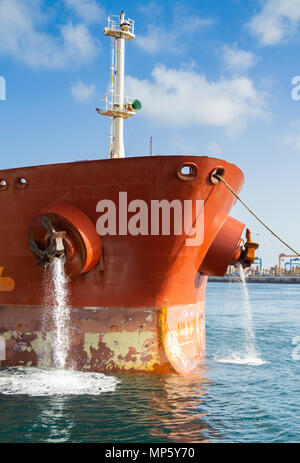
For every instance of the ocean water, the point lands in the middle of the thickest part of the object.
(237, 395)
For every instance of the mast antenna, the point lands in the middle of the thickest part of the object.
(116, 105)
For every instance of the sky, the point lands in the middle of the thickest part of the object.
(215, 77)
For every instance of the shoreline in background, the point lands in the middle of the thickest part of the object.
(258, 279)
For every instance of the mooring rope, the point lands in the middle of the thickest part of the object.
(219, 177)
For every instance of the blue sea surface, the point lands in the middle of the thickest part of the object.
(235, 396)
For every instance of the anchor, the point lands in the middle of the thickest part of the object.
(247, 257)
(55, 249)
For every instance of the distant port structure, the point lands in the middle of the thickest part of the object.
(287, 271)
(293, 262)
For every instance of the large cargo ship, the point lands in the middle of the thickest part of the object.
(138, 237)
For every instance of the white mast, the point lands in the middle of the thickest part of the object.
(116, 105)
(118, 146)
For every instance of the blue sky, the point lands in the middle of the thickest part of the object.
(214, 77)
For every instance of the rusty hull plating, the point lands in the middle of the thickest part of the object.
(137, 301)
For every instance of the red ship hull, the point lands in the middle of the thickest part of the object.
(141, 307)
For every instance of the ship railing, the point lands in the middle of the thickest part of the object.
(109, 107)
(114, 24)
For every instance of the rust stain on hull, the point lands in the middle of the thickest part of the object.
(96, 345)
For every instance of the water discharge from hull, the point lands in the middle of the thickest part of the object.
(61, 380)
(61, 315)
(249, 337)
(57, 311)
(249, 354)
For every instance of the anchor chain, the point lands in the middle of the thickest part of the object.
(220, 178)
(55, 249)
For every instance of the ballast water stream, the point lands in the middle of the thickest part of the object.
(57, 295)
(58, 378)
(248, 354)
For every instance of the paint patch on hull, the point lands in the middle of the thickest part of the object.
(110, 339)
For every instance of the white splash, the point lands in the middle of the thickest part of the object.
(33, 381)
(240, 359)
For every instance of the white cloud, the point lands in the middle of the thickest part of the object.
(21, 38)
(183, 97)
(291, 140)
(277, 20)
(173, 38)
(151, 8)
(151, 42)
(87, 10)
(194, 24)
(237, 59)
(82, 92)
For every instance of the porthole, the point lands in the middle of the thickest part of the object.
(187, 171)
(3, 184)
(22, 182)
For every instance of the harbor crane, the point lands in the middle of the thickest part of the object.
(282, 256)
(258, 260)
